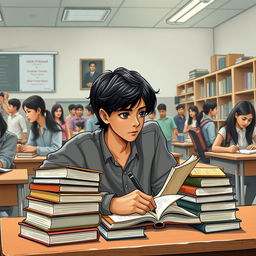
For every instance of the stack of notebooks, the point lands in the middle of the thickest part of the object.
(209, 195)
(197, 73)
(63, 206)
(26, 154)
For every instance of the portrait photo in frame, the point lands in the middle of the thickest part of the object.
(90, 69)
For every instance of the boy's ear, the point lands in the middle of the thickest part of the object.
(104, 116)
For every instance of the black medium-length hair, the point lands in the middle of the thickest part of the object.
(3, 126)
(120, 89)
(241, 108)
(208, 105)
(194, 109)
(15, 102)
(54, 108)
(35, 102)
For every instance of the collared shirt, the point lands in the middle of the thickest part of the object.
(242, 142)
(17, 124)
(47, 142)
(180, 122)
(74, 120)
(149, 161)
(209, 131)
(8, 144)
(91, 124)
(167, 126)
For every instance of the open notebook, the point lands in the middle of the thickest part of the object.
(246, 151)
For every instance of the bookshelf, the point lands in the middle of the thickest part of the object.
(227, 87)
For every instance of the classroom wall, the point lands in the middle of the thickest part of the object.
(164, 57)
(237, 35)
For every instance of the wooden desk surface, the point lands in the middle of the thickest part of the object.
(175, 239)
(16, 176)
(231, 156)
(183, 144)
(37, 159)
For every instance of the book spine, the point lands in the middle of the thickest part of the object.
(52, 188)
(191, 190)
(196, 182)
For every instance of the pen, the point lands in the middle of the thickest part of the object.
(136, 184)
(238, 148)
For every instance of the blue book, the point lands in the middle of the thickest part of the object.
(118, 234)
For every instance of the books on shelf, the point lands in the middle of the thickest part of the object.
(218, 226)
(117, 234)
(225, 85)
(54, 209)
(202, 91)
(211, 89)
(243, 58)
(63, 199)
(70, 172)
(190, 89)
(197, 73)
(248, 81)
(58, 238)
(166, 212)
(246, 151)
(225, 109)
(26, 154)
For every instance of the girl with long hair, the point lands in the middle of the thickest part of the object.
(239, 130)
(45, 135)
(192, 120)
(58, 116)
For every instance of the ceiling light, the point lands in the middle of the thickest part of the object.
(88, 14)
(188, 11)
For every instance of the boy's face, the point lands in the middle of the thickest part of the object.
(12, 109)
(180, 111)
(72, 111)
(127, 123)
(162, 113)
(79, 112)
(87, 112)
(152, 116)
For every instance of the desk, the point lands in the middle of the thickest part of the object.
(11, 185)
(185, 148)
(237, 164)
(29, 163)
(176, 239)
(177, 156)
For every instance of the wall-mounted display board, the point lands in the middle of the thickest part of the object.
(27, 71)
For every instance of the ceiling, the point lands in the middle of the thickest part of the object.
(124, 13)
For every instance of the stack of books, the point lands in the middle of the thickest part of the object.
(209, 195)
(197, 73)
(225, 85)
(63, 206)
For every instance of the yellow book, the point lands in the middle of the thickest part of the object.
(207, 172)
(65, 198)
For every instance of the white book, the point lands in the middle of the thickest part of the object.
(246, 151)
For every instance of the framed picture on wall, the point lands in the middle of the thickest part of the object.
(90, 69)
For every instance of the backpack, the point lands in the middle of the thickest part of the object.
(198, 140)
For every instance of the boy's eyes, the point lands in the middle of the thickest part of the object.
(124, 115)
(142, 114)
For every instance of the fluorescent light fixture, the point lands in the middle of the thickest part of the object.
(85, 14)
(188, 11)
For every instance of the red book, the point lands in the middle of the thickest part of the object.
(59, 237)
(207, 191)
(64, 188)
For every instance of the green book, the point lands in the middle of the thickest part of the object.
(202, 207)
(218, 226)
(207, 181)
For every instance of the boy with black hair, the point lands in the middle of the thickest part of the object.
(180, 118)
(78, 117)
(123, 144)
(167, 125)
(15, 121)
(91, 119)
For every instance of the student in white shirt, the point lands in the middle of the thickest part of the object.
(239, 130)
(15, 121)
(192, 120)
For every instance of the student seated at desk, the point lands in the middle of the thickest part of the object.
(192, 120)
(124, 144)
(45, 135)
(239, 130)
(8, 142)
(208, 130)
